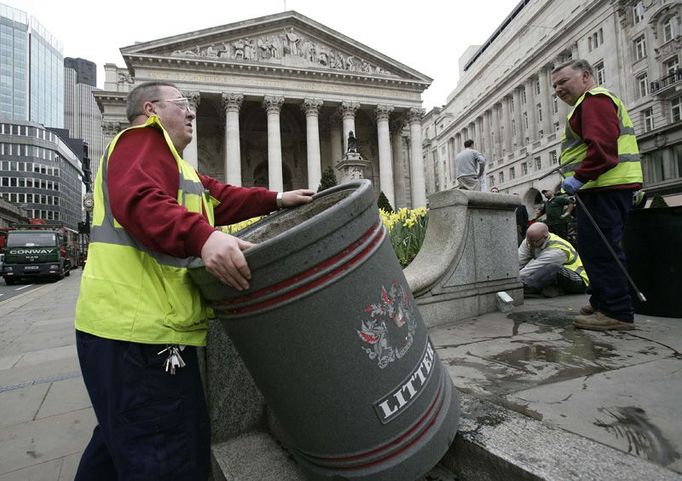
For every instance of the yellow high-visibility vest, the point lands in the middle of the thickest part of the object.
(573, 262)
(574, 149)
(129, 292)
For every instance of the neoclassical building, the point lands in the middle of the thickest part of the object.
(276, 98)
(504, 99)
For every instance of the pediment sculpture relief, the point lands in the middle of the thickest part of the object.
(277, 48)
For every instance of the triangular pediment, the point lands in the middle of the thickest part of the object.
(285, 40)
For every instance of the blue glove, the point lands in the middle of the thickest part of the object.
(571, 185)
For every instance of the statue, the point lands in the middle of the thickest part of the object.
(352, 143)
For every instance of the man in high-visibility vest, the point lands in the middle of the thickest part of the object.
(549, 265)
(139, 318)
(600, 160)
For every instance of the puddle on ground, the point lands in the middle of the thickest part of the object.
(575, 348)
(549, 319)
(643, 438)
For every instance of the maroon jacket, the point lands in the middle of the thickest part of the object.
(596, 122)
(143, 185)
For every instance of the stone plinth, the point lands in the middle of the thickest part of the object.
(469, 254)
(353, 166)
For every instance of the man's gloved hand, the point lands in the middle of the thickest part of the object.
(571, 185)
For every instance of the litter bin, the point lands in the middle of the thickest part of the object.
(653, 247)
(331, 334)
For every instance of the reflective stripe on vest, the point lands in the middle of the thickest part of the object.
(573, 262)
(129, 292)
(574, 149)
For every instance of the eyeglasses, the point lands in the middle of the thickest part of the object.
(538, 242)
(182, 102)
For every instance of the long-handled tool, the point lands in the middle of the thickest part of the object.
(639, 294)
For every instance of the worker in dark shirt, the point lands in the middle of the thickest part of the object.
(557, 211)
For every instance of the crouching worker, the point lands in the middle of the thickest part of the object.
(549, 265)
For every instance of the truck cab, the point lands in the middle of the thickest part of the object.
(36, 253)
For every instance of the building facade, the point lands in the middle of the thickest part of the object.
(86, 71)
(504, 99)
(276, 99)
(40, 173)
(31, 70)
(82, 116)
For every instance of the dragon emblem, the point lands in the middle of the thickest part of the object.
(389, 332)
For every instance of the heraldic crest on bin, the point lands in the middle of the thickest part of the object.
(389, 333)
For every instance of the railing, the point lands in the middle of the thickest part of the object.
(665, 82)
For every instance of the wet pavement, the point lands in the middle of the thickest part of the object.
(540, 399)
(621, 389)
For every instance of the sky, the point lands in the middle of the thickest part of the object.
(426, 35)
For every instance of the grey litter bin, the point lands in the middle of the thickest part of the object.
(331, 334)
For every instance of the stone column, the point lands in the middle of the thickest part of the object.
(532, 110)
(311, 107)
(482, 135)
(273, 105)
(545, 101)
(336, 140)
(400, 196)
(518, 118)
(190, 153)
(490, 134)
(385, 162)
(416, 158)
(508, 134)
(347, 111)
(233, 158)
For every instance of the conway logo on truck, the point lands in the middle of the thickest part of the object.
(32, 251)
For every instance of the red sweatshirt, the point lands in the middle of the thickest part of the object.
(596, 122)
(143, 185)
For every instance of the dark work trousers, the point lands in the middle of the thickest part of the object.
(151, 426)
(555, 275)
(608, 284)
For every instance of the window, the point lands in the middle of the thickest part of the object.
(537, 86)
(513, 127)
(500, 176)
(539, 107)
(676, 110)
(671, 28)
(656, 170)
(556, 125)
(555, 103)
(671, 65)
(642, 85)
(638, 13)
(512, 173)
(491, 180)
(677, 158)
(525, 120)
(648, 119)
(595, 40)
(522, 94)
(600, 74)
(538, 163)
(640, 48)
(552, 157)
(524, 168)
(511, 105)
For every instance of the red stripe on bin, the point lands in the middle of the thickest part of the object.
(437, 403)
(375, 234)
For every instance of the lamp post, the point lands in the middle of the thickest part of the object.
(88, 202)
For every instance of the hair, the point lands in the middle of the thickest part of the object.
(141, 94)
(578, 64)
(468, 143)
